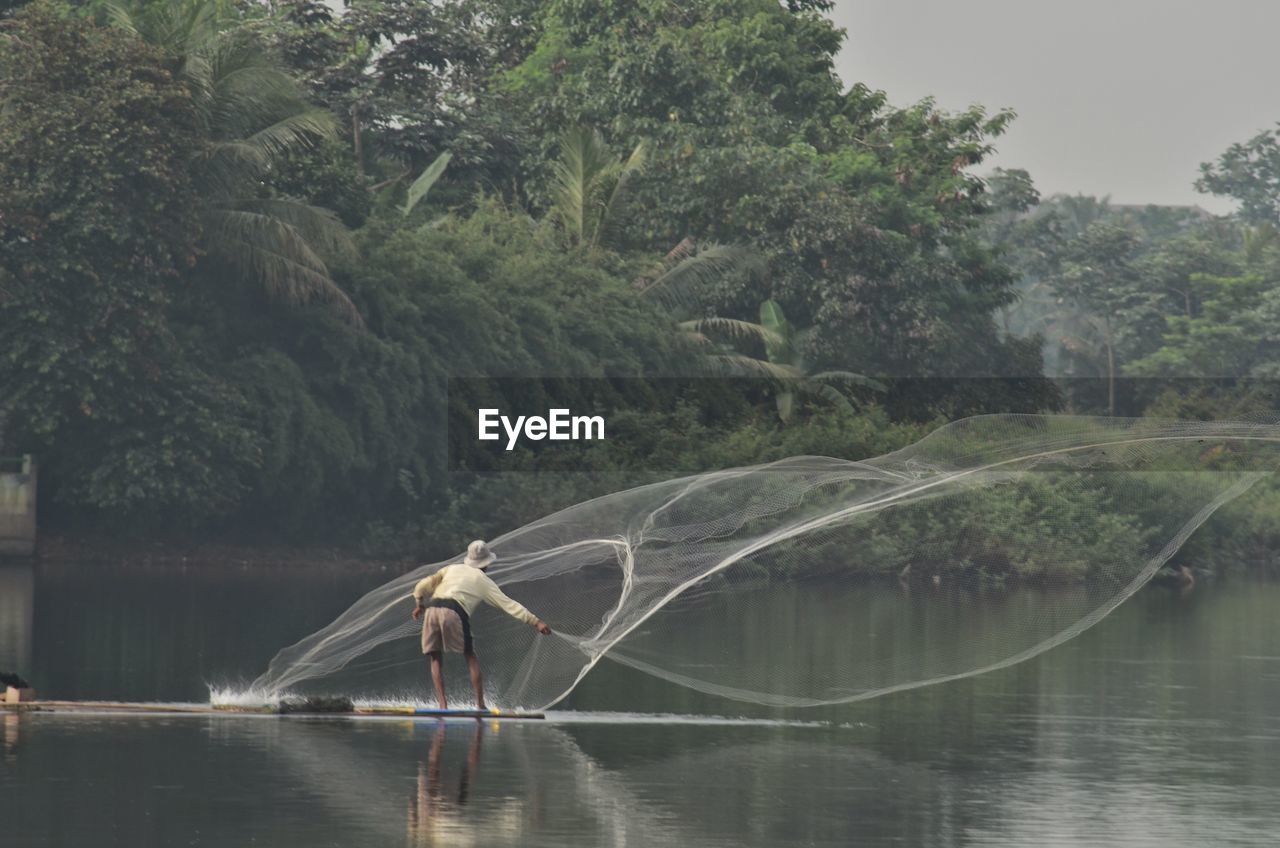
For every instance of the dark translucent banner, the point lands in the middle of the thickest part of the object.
(675, 425)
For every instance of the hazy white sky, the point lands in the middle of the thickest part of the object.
(1119, 97)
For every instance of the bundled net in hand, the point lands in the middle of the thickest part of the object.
(815, 580)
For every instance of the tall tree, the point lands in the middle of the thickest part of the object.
(866, 214)
(98, 229)
(409, 80)
(1233, 334)
(1099, 282)
(252, 115)
(1248, 172)
(1171, 269)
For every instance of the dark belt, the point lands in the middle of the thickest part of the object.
(451, 604)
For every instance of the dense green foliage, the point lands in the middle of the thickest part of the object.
(1248, 172)
(244, 250)
(97, 236)
(866, 213)
(1136, 306)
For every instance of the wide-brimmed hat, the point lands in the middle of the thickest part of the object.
(479, 555)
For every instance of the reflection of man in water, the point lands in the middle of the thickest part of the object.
(437, 820)
(10, 735)
(454, 592)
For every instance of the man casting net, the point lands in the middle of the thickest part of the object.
(1076, 513)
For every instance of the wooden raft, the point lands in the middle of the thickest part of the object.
(156, 708)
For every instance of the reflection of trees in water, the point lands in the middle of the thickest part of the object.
(17, 602)
(783, 638)
(789, 790)
(461, 785)
(139, 632)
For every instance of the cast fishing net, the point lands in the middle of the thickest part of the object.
(815, 580)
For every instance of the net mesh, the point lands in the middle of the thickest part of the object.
(987, 542)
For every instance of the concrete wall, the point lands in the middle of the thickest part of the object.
(18, 507)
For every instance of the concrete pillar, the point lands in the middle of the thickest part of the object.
(18, 507)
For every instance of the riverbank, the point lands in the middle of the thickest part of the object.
(63, 550)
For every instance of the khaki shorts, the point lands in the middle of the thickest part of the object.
(442, 631)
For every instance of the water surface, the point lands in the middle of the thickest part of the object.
(1159, 727)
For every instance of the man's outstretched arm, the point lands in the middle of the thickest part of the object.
(514, 608)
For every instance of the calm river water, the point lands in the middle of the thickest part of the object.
(1158, 727)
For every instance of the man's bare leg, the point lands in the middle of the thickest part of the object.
(437, 677)
(477, 680)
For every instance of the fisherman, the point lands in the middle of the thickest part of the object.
(445, 600)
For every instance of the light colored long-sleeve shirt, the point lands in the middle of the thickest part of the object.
(468, 586)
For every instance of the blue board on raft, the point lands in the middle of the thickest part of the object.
(436, 713)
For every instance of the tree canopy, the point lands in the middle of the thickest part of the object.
(244, 250)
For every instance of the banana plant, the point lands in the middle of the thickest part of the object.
(783, 363)
(422, 185)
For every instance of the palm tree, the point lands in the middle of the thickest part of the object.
(252, 114)
(589, 183)
(680, 278)
(588, 189)
(783, 363)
